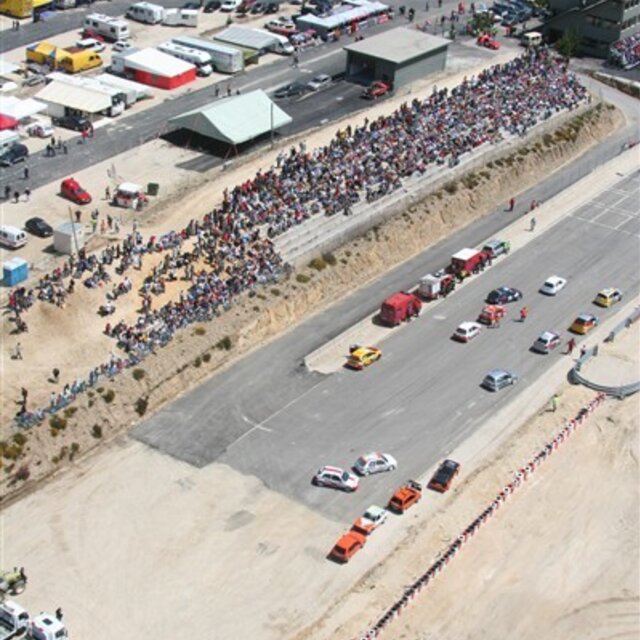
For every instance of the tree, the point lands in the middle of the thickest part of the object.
(568, 44)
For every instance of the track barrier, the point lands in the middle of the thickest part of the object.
(445, 556)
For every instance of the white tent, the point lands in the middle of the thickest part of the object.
(20, 109)
(87, 100)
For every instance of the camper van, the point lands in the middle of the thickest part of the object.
(111, 29)
(200, 59)
(181, 18)
(146, 12)
(225, 59)
(80, 60)
(12, 237)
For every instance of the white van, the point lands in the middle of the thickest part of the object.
(7, 139)
(13, 617)
(281, 44)
(47, 627)
(12, 237)
(146, 12)
(532, 39)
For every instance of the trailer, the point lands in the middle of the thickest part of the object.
(180, 18)
(244, 38)
(111, 29)
(201, 59)
(224, 59)
(146, 12)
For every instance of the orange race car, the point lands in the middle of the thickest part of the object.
(405, 497)
(348, 545)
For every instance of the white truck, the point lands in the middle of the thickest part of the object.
(200, 59)
(224, 59)
(46, 627)
(146, 12)
(281, 44)
(14, 620)
(111, 29)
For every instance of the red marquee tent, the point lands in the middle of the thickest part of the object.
(7, 122)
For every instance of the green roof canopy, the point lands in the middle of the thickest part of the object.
(236, 119)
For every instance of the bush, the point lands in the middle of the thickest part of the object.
(275, 292)
(330, 259)
(197, 362)
(451, 187)
(141, 405)
(75, 447)
(138, 374)
(70, 411)
(200, 331)
(225, 344)
(303, 278)
(11, 451)
(100, 389)
(96, 431)
(206, 357)
(318, 264)
(23, 473)
(57, 422)
(109, 396)
(20, 439)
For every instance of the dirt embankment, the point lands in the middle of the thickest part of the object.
(200, 351)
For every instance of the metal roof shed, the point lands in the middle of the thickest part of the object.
(69, 96)
(247, 39)
(20, 109)
(235, 120)
(398, 56)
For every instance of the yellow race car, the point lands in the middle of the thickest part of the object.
(608, 297)
(584, 323)
(361, 357)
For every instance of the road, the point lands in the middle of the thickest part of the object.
(267, 416)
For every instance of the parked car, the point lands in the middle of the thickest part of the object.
(373, 517)
(584, 323)
(93, 44)
(40, 130)
(467, 331)
(15, 153)
(502, 295)
(361, 357)
(191, 5)
(495, 248)
(258, 7)
(348, 545)
(443, 477)
(371, 463)
(290, 90)
(72, 190)
(319, 82)
(212, 5)
(272, 7)
(405, 497)
(230, 5)
(547, 342)
(608, 297)
(38, 227)
(552, 285)
(376, 90)
(497, 379)
(75, 123)
(336, 478)
(122, 45)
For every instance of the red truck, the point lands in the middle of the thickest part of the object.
(400, 307)
(468, 261)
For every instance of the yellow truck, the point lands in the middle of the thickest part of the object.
(76, 59)
(23, 8)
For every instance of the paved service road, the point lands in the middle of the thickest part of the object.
(266, 416)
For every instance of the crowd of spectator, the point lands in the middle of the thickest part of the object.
(626, 52)
(226, 252)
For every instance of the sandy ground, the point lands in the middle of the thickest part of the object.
(560, 560)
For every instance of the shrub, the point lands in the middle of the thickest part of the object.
(57, 422)
(20, 439)
(70, 411)
(303, 278)
(96, 431)
(138, 374)
(318, 264)
(75, 447)
(23, 473)
(451, 187)
(330, 259)
(256, 309)
(225, 344)
(200, 331)
(206, 357)
(141, 405)
(275, 291)
(347, 253)
(100, 389)
(11, 451)
(109, 396)
(197, 362)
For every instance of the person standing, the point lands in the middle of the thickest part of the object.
(524, 312)
(571, 345)
(56, 374)
(7, 192)
(512, 204)
(27, 194)
(25, 173)
(555, 399)
(532, 224)
(17, 355)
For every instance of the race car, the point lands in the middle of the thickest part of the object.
(608, 297)
(375, 462)
(335, 478)
(348, 545)
(584, 323)
(443, 477)
(491, 314)
(361, 357)
(466, 331)
(552, 285)
(501, 295)
(373, 518)
(375, 90)
(485, 40)
(496, 247)
(546, 342)
(72, 190)
(405, 497)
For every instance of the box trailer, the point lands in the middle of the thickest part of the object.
(180, 18)
(146, 12)
(224, 59)
(111, 29)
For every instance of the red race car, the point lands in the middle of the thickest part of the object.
(71, 190)
(485, 40)
(376, 90)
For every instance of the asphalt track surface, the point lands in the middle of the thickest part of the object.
(267, 416)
